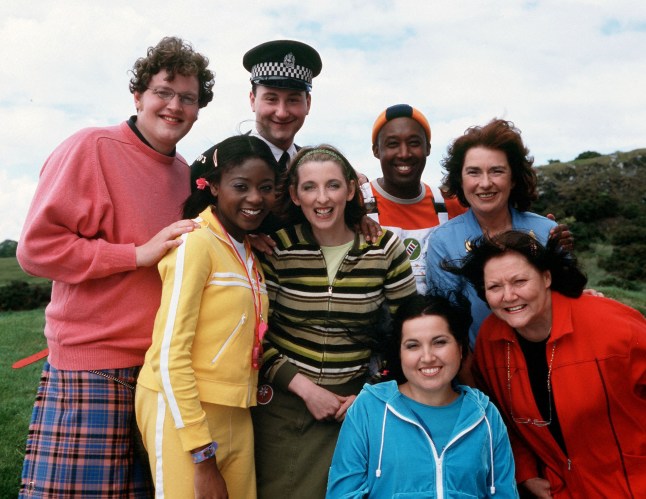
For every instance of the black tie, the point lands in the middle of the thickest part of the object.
(282, 162)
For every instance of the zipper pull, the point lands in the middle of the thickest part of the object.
(569, 464)
(329, 290)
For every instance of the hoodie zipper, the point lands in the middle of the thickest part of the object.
(440, 485)
(439, 475)
(439, 460)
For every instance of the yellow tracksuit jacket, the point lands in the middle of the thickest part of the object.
(204, 330)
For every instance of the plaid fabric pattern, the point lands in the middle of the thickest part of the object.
(266, 69)
(83, 439)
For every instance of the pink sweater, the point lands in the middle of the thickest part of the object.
(101, 193)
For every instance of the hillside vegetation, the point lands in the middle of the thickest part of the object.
(603, 200)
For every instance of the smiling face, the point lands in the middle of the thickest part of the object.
(164, 123)
(245, 195)
(280, 113)
(519, 294)
(487, 182)
(430, 359)
(402, 149)
(322, 192)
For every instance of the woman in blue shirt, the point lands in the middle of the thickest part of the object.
(490, 171)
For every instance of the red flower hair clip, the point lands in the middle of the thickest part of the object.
(202, 183)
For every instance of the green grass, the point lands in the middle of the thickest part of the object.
(22, 335)
(11, 271)
(589, 262)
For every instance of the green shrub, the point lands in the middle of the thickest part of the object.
(629, 234)
(21, 295)
(591, 207)
(585, 235)
(587, 155)
(618, 283)
(627, 262)
(8, 248)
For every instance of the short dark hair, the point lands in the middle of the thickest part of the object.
(231, 152)
(567, 278)
(498, 135)
(177, 57)
(290, 213)
(452, 307)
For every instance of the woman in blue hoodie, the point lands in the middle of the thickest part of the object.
(421, 435)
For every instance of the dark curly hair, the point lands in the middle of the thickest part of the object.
(231, 152)
(502, 136)
(567, 278)
(292, 214)
(453, 307)
(177, 57)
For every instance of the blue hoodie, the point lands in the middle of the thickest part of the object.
(384, 451)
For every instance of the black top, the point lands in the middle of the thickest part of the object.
(536, 354)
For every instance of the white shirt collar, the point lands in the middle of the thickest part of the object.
(276, 151)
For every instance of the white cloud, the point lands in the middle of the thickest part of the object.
(15, 197)
(568, 73)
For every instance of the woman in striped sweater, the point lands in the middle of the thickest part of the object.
(328, 290)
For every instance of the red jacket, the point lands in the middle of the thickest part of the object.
(599, 387)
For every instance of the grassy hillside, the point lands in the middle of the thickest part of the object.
(11, 271)
(597, 195)
(604, 282)
(603, 200)
(22, 335)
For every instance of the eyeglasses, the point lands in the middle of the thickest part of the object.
(168, 95)
(535, 422)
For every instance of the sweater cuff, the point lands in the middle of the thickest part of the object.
(284, 375)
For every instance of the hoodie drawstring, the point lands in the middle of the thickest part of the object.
(492, 489)
(383, 436)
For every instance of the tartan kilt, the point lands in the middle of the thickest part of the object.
(83, 438)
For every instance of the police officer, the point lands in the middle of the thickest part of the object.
(281, 85)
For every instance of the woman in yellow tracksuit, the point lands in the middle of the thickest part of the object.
(200, 374)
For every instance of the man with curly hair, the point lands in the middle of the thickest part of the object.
(107, 208)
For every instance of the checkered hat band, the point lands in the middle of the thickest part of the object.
(279, 69)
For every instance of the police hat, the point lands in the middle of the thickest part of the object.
(283, 64)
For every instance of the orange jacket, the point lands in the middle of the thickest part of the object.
(599, 387)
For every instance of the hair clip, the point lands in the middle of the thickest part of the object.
(202, 183)
(533, 247)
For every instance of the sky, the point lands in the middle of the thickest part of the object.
(570, 74)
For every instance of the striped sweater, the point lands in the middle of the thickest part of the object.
(327, 331)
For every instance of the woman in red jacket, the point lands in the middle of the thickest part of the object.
(568, 371)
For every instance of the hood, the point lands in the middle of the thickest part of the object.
(388, 392)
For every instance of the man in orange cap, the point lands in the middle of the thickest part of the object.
(401, 141)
